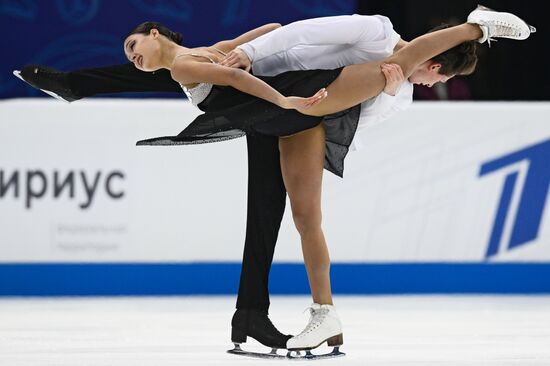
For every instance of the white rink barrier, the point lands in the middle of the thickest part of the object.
(443, 187)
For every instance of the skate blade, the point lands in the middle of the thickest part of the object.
(295, 355)
(483, 7)
(237, 350)
(17, 74)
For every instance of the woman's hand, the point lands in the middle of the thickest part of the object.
(394, 77)
(303, 104)
(238, 59)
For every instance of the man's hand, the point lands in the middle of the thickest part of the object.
(238, 59)
(394, 77)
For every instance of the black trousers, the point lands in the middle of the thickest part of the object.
(266, 190)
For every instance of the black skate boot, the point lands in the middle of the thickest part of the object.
(256, 324)
(50, 81)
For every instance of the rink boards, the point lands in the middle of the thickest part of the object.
(446, 197)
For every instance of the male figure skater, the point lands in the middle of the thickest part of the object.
(311, 44)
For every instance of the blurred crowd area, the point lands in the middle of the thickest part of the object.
(75, 34)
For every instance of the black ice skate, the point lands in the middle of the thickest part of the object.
(256, 324)
(50, 81)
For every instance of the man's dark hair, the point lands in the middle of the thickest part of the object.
(145, 28)
(459, 60)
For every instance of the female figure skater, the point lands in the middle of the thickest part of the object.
(303, 146)
(231, 112)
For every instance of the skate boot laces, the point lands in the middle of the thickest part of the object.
(503, 26)
(501, 29)
(317, 317)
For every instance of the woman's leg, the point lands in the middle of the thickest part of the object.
(427, 46)
(358, 83)
(302, 160)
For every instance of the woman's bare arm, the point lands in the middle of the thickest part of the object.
(229, 45)
(191, 72)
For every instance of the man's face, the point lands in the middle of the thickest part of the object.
(428, 74)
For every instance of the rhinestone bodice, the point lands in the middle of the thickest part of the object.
(198, 93)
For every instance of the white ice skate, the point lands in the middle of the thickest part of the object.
(324, 326)
(495, 24)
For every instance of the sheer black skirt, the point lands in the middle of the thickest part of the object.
(230, 113)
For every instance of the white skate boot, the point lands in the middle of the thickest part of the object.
(495, 24)
(324, 326)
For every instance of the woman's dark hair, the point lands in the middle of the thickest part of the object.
(145, 28)
(459, 60)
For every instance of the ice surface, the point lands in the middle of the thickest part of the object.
(378, 330)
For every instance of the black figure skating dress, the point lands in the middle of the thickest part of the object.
(230, 113)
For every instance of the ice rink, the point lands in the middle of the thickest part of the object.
(378, 330)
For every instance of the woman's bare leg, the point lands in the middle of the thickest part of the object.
(302, 155)
(427, 46)
(358, 83)
(302, 160)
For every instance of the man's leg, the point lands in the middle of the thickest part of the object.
(120, 78)
(78, 84)
(266, 206)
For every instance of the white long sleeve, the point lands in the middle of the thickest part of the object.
(380, 109)
(329, 43)
(363, 32)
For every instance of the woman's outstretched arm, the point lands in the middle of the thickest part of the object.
(188, 71)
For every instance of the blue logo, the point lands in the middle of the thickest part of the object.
(528, 215)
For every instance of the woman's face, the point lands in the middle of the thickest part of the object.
(143, 50)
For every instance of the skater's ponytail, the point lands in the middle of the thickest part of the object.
(145, 28)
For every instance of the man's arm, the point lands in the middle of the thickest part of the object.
(229, 45)
(396, 97)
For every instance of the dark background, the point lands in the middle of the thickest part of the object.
(71, 34)
(509, 70)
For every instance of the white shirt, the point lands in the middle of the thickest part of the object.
(329, 43)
